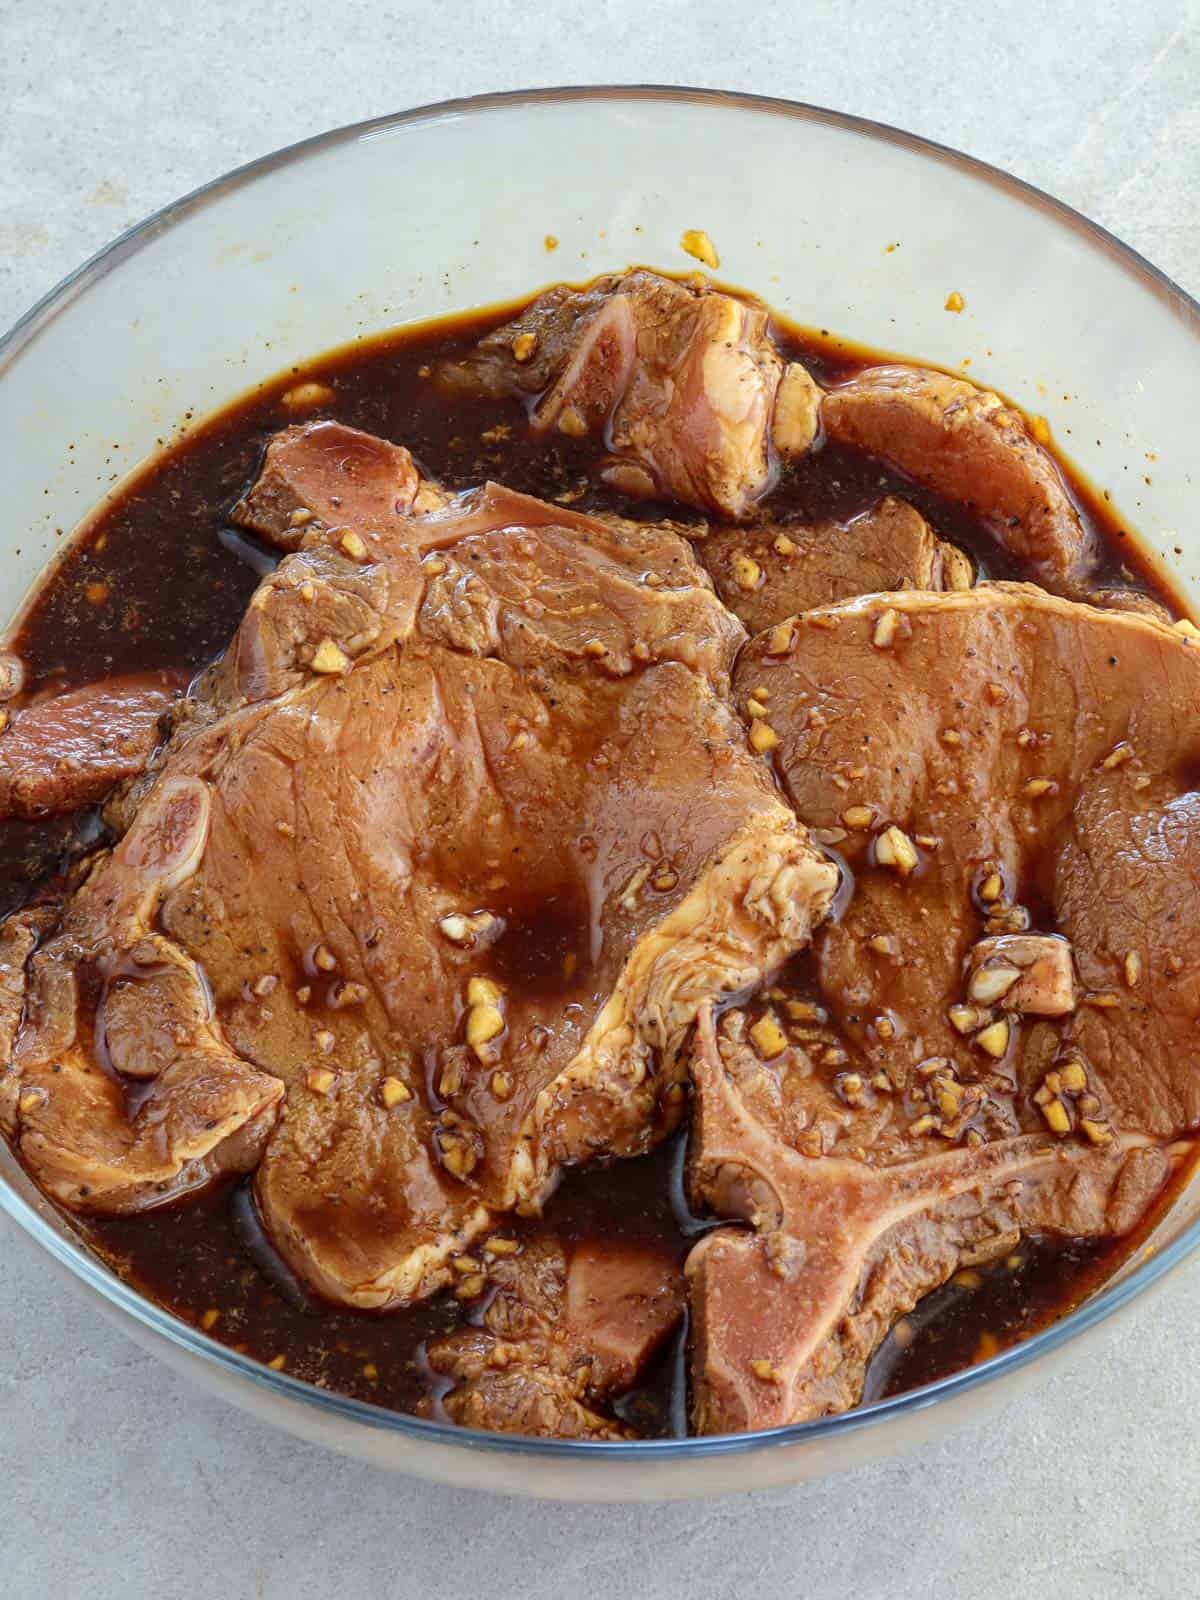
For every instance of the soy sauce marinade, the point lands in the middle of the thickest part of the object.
(159, 579)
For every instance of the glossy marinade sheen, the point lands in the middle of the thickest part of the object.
(159, 579)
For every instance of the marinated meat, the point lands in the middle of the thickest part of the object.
(768, 572)
(786, 1318)
(681, 381)
(967, 444)
(322, 476)
(122, 1086)
(559, 1338)
(392, 840)
(1052, 742)
(67, 751)
(483, 852)
(939, 1075)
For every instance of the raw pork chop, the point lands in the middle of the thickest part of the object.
(998, 1032)
(683, 382)
(967, 444)
(381, 923)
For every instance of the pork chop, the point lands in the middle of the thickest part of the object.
(965, 443)
(382, 899)
(998, 1032)
(683, 382)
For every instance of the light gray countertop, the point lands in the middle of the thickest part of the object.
(121, 1480)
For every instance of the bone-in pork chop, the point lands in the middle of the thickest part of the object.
(998, 1033)
(381, 915)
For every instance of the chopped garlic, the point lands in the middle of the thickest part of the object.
(779, 640)
(303, 396)
(768, 1036)
(696, 243)
(885, 630)
(1097, 1132)
(484, 1023)
(1073, 1077)
(988, 984)
(893, 848)
(1057, 1117)
(483, 992)
(394, 1092)
(746, 571)
(330, 657)
(994, 1039)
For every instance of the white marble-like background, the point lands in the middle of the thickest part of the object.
(116, 1478)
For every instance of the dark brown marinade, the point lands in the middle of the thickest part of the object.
(984, 1310)
(212, 1256)
(158, 579)
(32, 853)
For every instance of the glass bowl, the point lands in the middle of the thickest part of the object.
(842, 224)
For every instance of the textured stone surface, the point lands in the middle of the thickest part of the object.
(120, 1479)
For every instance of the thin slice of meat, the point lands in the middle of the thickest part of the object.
(768, 572)
(561, 1337)
(418, 904)
(965, 443)
(368, 600)
(998, 1032)
(66, 751)
(323, 476)
(680, 380)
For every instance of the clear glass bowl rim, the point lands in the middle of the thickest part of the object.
(119, 1294)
